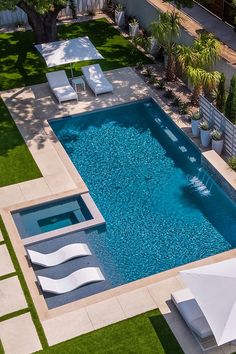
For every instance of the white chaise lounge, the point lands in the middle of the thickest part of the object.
(74, 280)
(96, 80)
(60, 86)
(194, 318)
(60, 256)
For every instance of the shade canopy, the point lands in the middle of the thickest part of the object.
(68, 51)
(214, 288)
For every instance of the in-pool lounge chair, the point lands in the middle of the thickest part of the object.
(60, 256)
(96, 80)
(194, 318)
(74, 280)
(60, 86)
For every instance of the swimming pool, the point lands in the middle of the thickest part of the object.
(162, 209)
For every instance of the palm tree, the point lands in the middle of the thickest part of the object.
(197, 62)
(166, 31)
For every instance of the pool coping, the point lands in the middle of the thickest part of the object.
(40, 304)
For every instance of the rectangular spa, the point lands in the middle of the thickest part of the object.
(51, 216)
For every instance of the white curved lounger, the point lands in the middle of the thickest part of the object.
(60, 256)
(74, 280)
(96, 80)
(61, 86)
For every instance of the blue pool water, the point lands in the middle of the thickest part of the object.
(162, 209)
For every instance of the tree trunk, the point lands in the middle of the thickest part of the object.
(44, 25)
(195, 96)
(170, 69)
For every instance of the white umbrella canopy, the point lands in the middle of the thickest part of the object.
(214, 288)
(68, 51)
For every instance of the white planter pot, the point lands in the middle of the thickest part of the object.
(217, 146)
(205, 137)
(120, 18)
(133, 30)
(153, 49)
(195, 127)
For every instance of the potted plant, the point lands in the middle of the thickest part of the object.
(217, 141)
(133, 28)
(119, 15)
(195, 117)
(205, 134)
(152, 46)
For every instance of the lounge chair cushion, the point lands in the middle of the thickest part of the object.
(65, 93)
(96, 80)
(60, 85)
(191, 312)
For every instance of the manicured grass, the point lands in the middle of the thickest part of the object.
(25, 289)
(143, 334)
(20, 63)
(16, 163)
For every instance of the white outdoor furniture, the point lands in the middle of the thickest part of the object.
(194, 318)
(96, 80)
(74, 280)
(60, 256)
(61, 86)
(78, 81)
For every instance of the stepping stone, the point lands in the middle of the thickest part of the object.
(1, 236)
(19, 336)
(6, 265)
(12, 296)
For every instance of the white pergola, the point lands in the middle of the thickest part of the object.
(214, 288)
(68, 51)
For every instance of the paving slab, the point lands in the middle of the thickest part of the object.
(105, 313)
(11, 295)
(19, 336)
(161, 291)
(67, 326)
(6, 265)
(11, 195)
(135, 302)
(36, 188)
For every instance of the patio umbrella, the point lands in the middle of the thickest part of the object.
(214, 288)
(68, 51)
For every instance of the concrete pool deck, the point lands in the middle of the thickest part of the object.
(30, 108)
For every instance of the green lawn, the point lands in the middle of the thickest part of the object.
(143, 334)
(20, 63)
(16, 162)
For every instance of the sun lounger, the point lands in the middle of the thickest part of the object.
(96, 80)
(194, 318)
(60, 256)
(74, 280)
(61, 86)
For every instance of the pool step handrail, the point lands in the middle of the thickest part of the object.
(62, 255)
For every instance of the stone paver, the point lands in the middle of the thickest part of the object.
(67, 326)
(1, 236)
(11, 195)
(136, 302)
(6, 265)
(11, 295)
(105, 313)
(37, 188)
(161, 291)
(19, 336)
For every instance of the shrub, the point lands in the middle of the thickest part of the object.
(221, 94)
(184, 109)
(169, 94)
(177, 102)
(161, 85)
(204, 125)
(216, 134)
(232, 162)
(230, 107)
